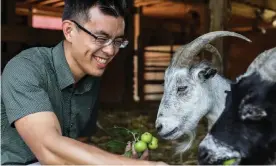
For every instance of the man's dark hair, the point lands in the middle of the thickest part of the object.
(78, 10)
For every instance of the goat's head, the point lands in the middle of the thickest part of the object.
(187, 91)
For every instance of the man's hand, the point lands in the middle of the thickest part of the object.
(134, 154)
(144, 156)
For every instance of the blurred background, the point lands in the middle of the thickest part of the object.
(132, 85)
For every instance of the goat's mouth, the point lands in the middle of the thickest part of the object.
(172, 132)
(225, 161)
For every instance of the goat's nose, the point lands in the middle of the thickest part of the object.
(159, 128)
(203, 156)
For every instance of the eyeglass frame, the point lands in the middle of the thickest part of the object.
(109, 41)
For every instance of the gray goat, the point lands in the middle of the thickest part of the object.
(192, 90)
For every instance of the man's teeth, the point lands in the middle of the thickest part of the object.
(101, 60)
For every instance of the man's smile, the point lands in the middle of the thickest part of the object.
(102, 62)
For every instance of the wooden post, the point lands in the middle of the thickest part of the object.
(12, 48)
(219, 17)
(141, 58)
(30, 17)
(129, 66)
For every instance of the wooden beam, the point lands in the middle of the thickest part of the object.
(141, 59)
(249, 11)
(147, 2)
(46, 2)
(38, 10)
(219, 17)
(25, 34)
(59, 4)
(39, 7)
(128, 95)
(29, 1)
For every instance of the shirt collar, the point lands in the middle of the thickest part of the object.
(65, 76)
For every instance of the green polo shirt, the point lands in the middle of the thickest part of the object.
(39, 79)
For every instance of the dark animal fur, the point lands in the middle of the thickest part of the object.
(254, 139)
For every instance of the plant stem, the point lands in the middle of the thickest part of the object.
(127, 131)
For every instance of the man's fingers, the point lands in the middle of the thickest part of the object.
(145, 155)
(128, 147)
(134, 153)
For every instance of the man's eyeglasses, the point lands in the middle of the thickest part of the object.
(103, 41)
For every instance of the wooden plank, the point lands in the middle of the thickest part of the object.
(219, 17)
(25, 34)
(47, 8)
(159, 82)
(147, 2)
(29, 1)
(46, 2)
(128, 96)
(141, 58)
(37, 11)
(59, 4)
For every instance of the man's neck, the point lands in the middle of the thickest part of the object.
(74, 67)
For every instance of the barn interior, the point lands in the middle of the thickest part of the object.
(132, 86)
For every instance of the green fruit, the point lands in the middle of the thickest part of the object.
(146, 137)
(153, 145)
(140, 146)
(154, 140)
(229, 162)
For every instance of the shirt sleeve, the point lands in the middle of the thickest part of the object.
(23, 89)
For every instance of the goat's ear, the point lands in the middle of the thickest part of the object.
(252, 112)
(206, 73)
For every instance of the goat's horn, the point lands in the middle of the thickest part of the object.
(214, 51)
(188, 51)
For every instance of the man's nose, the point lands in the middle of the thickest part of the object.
(109, 49)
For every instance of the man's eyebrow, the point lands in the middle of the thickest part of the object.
(102, 33)
(107, 35)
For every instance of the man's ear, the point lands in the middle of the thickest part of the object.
(206, 73)
(252, 112)
(67, 28)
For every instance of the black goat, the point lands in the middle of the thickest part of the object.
(246, 130)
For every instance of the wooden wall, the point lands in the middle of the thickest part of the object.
(242, 53)
(17, 35)
(117, 84)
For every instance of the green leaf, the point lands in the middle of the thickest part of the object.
(118, 132)
(116, 146)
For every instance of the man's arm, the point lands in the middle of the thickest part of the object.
(42, 133)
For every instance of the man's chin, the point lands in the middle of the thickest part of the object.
(97, 73)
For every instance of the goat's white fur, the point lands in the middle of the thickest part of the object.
(204, 98)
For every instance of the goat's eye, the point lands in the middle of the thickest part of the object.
(181, 88)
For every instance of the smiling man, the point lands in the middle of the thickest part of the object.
(49, 95)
